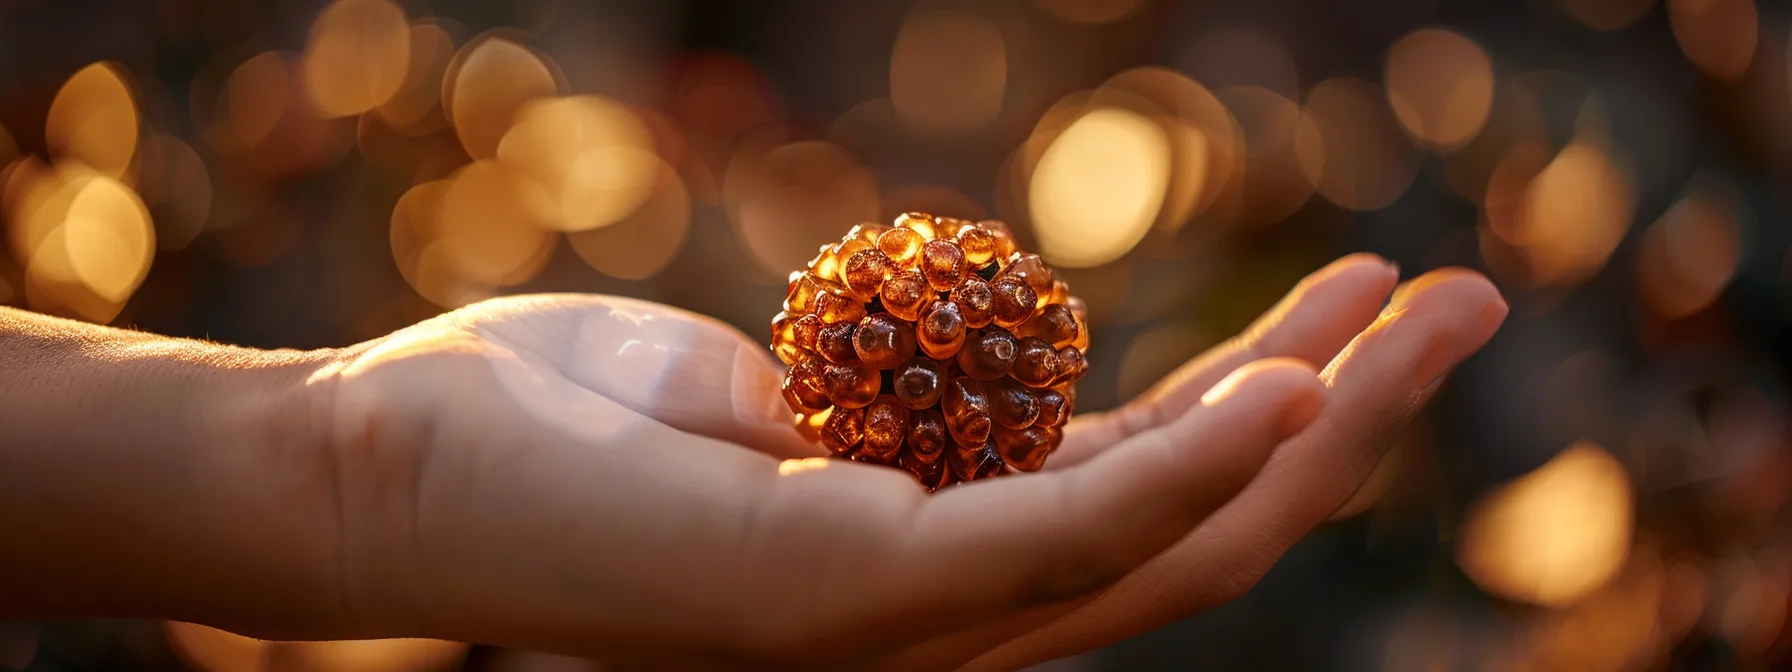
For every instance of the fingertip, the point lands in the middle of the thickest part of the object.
(1269, 378)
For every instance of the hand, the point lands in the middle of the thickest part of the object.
(1381, 366)
(603, 477)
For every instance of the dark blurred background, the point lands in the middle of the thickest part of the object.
(1604, 488)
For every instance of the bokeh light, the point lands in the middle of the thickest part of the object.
(1088, 12)
(1567, 220)
(591, 156)
(487, 84)
(415, 107)
(94, 120)
(1206, 143)
(1689, 255)
(1440, 85)
(357, 56)
(788, 201)
(948, 72)
(1718, 36)
(1282, 147)
(1367, 162)
(491, 225)
(1607, 15)
(1555, 535)
(641, 245)
(1098, 187)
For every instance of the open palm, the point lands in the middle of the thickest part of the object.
(614, 478)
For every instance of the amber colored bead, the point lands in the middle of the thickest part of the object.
(1060, 293)
(901, 245)
(1004, 238)
(943, 264)
(966, 407)
(1011, 404)
(886, 425)
(940, 477)
(867, 232)
(1026, 449)
(865, 272)
(975, 463)
(941, 330)
(1054, 409)
(926, 440)
(1071, 364)
(1014, 301)
(1036, 363)
(1081, 311)
(852, 385)
(976, 302)
(808, 425)
(844, 429)
(978, 243)
(803, 291)
(784, 340)
(921, 222)
(806, 386)
(807, 331)
(884, 340)
(988, 353)
(1054, 324)
(834, 342)
(839, 306)
(1031, 269)
(905, 293)
(919, 382)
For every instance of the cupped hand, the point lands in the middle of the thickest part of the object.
(1381, 358)
(617, 479)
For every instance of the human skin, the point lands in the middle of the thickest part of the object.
(616, 479)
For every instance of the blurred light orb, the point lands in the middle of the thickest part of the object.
(644, 241)
(493, 80)
(1098, 187)
(592, 155)
(490, 224)
(255, 97)
(93, 119)
(1606, 15)
(1689, 255)
(1440, 85)
(948, 71)
(933, 198)
(85, 242)
(1088, 12)
(1206, 142)
(1282, 148)
(1237, 57)
(356, 57)
(1367, 161)
(1718, 36)
(1554, 535)
(409, 107)
(177, 187)
(787, 202)
(1571, 216)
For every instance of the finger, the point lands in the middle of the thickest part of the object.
(1377, 383)
(1315, 320)
(688, 371)
(932, 564)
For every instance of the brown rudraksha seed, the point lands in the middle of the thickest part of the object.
(933, 346)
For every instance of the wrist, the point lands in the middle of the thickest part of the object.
(157, 478)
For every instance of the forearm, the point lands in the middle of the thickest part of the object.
(153, 477)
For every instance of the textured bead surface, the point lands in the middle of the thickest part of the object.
(932, 345)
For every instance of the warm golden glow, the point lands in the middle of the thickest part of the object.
(1098, 187)
(1687, 257)
(590, 154)
(94, 120)
(1440, 85)
(948, 71)
(794, 466)
(1572, 216)
(1556, 534)
(1206, 143)
(1367, 162)
(1088, 12)
(490, 225)
(255, 98)
(103, 243)
(177, 187)
(357, 56)
(1718, 36)
(788, 201)
(415, 107)
(646, 240)
(491, 82)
